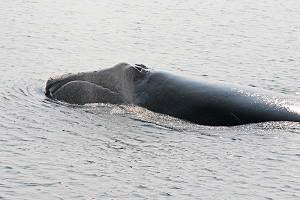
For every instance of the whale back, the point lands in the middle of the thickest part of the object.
(212, 103)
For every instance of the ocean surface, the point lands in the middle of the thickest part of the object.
(53, 150)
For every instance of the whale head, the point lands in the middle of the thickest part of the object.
(121, 79)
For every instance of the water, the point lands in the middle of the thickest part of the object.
(51, 150)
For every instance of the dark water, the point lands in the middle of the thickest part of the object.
(51, 150)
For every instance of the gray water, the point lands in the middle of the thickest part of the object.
(52, 150)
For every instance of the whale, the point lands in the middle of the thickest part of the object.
(193, 100)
